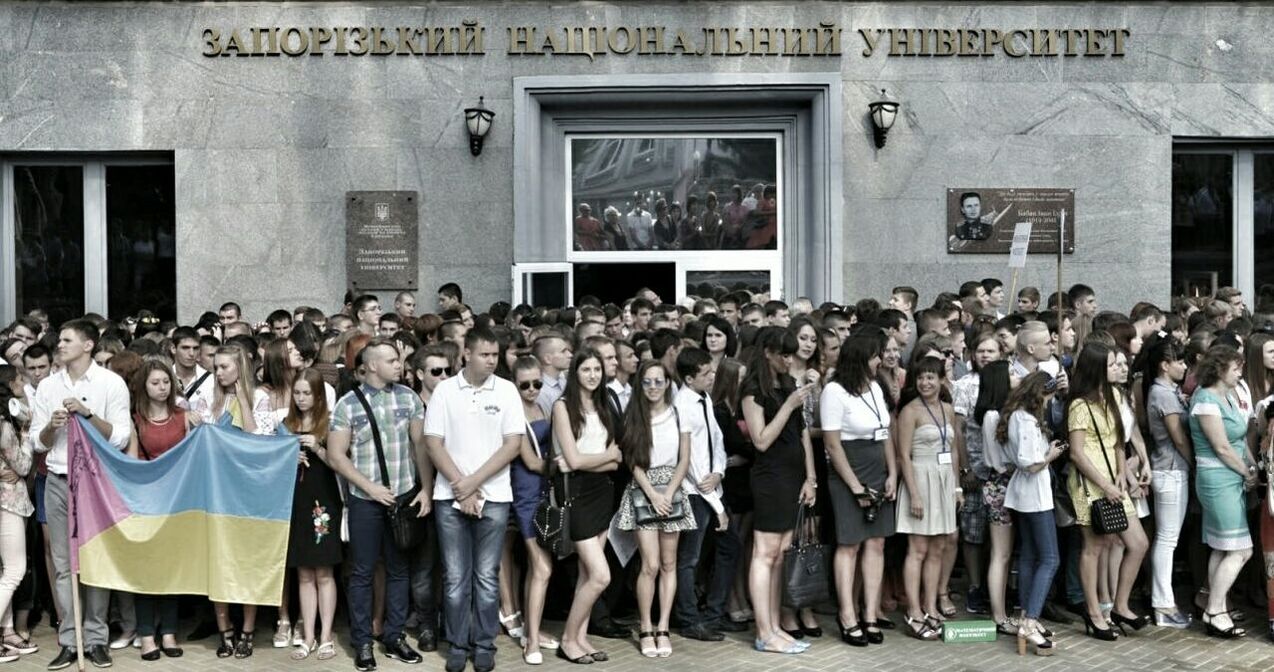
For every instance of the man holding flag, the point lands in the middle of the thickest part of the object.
(101, 397)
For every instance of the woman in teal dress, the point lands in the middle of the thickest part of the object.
(1224, 472)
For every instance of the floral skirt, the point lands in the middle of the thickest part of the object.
(628, 517)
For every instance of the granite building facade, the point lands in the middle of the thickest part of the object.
(217, 143)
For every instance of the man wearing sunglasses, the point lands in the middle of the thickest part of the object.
(431, 367)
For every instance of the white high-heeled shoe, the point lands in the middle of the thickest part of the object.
(515, 631)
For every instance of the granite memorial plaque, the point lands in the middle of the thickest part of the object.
(381, 239)
(982, 221)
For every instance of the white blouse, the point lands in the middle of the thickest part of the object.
(854, 416)
(1028, 492)
(665, 439)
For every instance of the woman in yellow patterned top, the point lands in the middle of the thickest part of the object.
(1097, 436)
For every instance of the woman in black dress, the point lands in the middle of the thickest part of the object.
(314, 545)
(782, 476)
(586, 450)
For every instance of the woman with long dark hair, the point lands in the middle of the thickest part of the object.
(1171, 460)
(855, 420)
(993, 391)
(782, 476)
(737, 483)
(584, 438)
(15, 508)
(1097, 434)
(658, 453)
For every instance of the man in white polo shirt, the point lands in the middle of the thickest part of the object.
(100, 396)
(473, 428)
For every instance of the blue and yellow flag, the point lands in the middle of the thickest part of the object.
(208, 517)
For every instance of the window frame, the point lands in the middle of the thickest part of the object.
(96, 290)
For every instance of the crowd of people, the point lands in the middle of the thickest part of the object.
(657, 460)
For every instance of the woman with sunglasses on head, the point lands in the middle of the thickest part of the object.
(1225, 470)
(529, 484)
(585, 447)
(1094, 420)
(1171, 460)
(658, 453)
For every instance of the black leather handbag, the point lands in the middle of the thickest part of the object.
(1107, 517)
(553, 515)
(404, 518)
(806, 563)
(645, 514)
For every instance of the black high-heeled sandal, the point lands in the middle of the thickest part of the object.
(1136, 623)
(243, 647)
(873, 633)
(1232, 632)
(226, 648)
(1103, 634)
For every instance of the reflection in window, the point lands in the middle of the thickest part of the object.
(1202, 222)
(1263, 230)
(49, 227)
(715, 284)
(141, 240)
(658, 193)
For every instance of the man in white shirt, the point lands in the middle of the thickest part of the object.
(641, 225)
(100, 396)
(702, 486)
(473, 429)
(196, 382)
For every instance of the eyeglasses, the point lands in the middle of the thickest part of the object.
(653, 382)
(435, 372)
(528, 384)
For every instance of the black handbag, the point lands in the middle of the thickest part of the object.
(1107, 517)
(553, 515)
(404, 518)
(643, 512)
(806, 563)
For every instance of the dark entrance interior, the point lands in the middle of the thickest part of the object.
(614, 283)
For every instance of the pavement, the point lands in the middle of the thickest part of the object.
(1151, 650)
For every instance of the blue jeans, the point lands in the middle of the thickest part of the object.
(1037, 559)
(424, 569)
(370, 540)
(471, 550)
(725, 563)
(686, 606)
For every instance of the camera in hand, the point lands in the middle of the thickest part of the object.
(874, 500)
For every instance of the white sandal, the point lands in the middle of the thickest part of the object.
(282, 634)
(508, 622)
(303, 650)
(327, 650)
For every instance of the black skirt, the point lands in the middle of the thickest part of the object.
(592, 497)
(314, 539)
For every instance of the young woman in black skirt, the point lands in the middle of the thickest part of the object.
(586, 449)
(782, 476)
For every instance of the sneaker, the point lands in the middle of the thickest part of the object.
(456, 660)
(484, 661)
(977, 601)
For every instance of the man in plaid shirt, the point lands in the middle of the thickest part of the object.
(399, 417)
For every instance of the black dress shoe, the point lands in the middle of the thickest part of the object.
(702, 633)
(99, 655)
(172, 652)
(64, 659)
(427, 640)
(151, 655)
(203, 630)
(727, 625)
(814, 632)
(399, 650)
(1052, 613)
(610, 630)
(364, 659)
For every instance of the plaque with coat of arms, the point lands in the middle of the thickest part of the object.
(381, 239)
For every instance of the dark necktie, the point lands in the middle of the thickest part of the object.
(707, 427)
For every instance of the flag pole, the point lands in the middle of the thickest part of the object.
(79, 625)
(1061, 239)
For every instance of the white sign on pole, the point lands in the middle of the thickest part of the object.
(1021, 241)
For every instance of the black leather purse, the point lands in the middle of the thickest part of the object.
(806, 563)
(1107, 517)
(643, 512)
(404, 518)
(553, 515)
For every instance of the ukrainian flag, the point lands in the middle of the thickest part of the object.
(208, 517)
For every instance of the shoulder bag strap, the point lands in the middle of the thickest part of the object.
(551, 465)
(380, 449)
(194, 387)
(1101, 443)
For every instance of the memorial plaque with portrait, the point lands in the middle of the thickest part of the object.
(981, 221)
(632, 194)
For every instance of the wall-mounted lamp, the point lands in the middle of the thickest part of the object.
(883, 112)
(478, 119)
